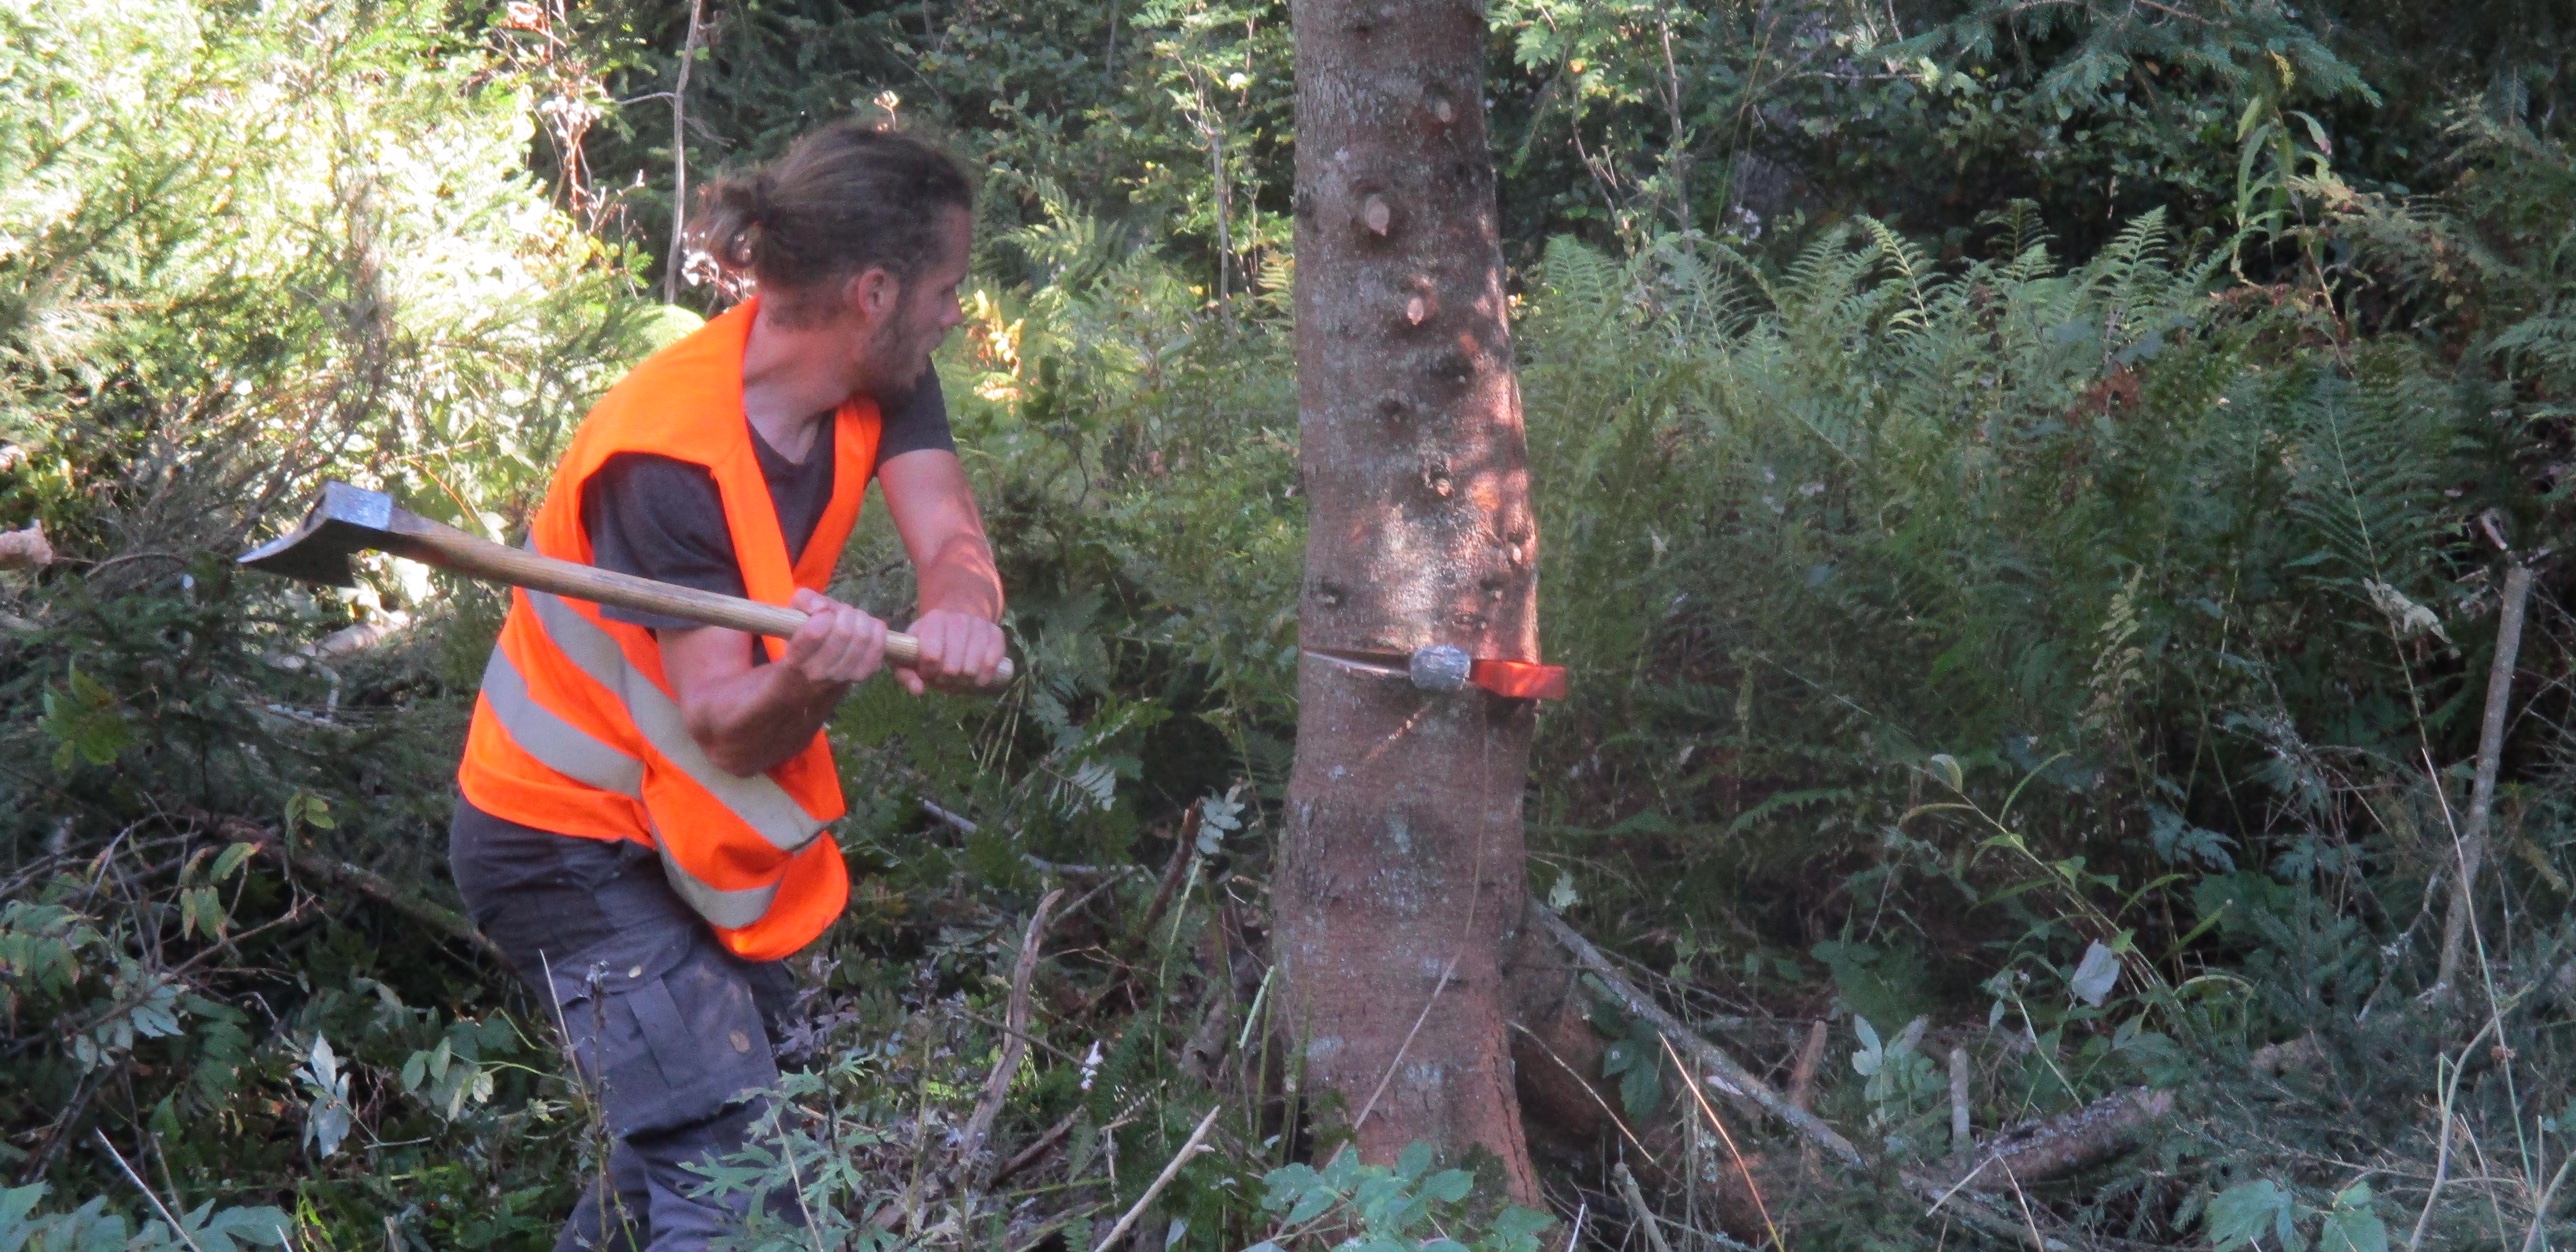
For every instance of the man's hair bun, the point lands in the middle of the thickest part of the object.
(840, 201)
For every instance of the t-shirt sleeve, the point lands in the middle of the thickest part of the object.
(919, 423)
(659, 518)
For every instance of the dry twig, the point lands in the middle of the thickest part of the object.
(148, 1193)
(1802, 1076)
(970, 1148)
(1172, 870)
(1645, 1217)
(1960, 1135)
(1198, 1138)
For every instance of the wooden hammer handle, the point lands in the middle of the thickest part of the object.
(456, 551)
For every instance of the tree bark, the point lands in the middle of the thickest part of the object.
(1401, 875)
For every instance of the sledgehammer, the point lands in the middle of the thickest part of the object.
(350, 520)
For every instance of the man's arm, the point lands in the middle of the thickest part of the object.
(751, 718)
(961, 592)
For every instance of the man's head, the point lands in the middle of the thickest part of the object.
(857, 233)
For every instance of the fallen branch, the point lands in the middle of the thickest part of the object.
(377, 887)
(1015, 1045)
(1644, 1216)
(1036, 1150)
(1723, 1069)
(1728, 1074)
(965, 825)
(1197, 1139)
(366, 882)
(2059, 1146)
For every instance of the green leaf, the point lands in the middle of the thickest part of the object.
(84, 722)
(1413, 1162)
(2352, 1226)
(1310, 1206)
(306, 809)
(1449, 1186)
(2256, 1210)
(1517, 1225)
(232, 860)
(2096, 975)
(1872, 1053)
(1618, 1058)
(210, 911)
(1641, 1089)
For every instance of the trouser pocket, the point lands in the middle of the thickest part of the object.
(667, 1033)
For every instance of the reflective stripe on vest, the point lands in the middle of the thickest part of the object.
(732, 910)
(557, 744)
(566, 749)
(760, 803)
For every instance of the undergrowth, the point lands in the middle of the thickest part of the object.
(2065, 669)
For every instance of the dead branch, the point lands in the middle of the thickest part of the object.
(1172, 871)
(1036, 1150)
(1731, 1076)
(671, 265)
(965, 825)
(1802, 1076)
(2473, 835)
(970, 1148)
(366, 882)
(1644, 1217)
(1962, 1137)
(176, 1227)
(2058, 1146)
(1172, 1170)
(377, 887)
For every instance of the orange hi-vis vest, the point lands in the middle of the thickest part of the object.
(576, 730)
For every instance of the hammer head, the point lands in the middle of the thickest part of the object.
(348, 520)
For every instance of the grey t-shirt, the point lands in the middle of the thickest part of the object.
(663, 519)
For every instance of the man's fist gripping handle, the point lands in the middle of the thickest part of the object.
(833, 638)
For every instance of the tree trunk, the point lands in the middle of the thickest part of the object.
(1400, 876)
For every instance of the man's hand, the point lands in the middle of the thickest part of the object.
(837, 645)
(959, 652)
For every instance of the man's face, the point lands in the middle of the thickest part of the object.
(919, 315)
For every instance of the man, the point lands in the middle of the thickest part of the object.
(644, 805)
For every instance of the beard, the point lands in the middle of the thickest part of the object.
(898, 359)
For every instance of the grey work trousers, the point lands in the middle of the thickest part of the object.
(673, 1034)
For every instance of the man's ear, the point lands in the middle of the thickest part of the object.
(873, 293)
